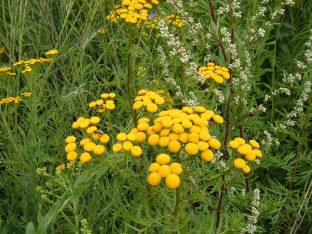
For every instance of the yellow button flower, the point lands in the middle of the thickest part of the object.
(202, 145)
(191, 148)
(257, 152)
(117, 147)
(154, 178)
(72, 156)
(84, 141)
(234, 144)
(204, 135)
(254, 144)
(136, 151)
(140, 137)
(246, 169)
(163, 159)
(154, 167)
(218, 119)
(193, 137)
(95, 120)
(240, 140)
(153, 140)
(143, 126)
(85, 157)
(214, 143)
(183, 137)
(70, 147)
(104, 138)
(137, 105)
(174, 146)
(89, 146)
(177, 128)
(163, 141)
(167, 122)
(250, 156)
(127, 145)
(164, 171)
(173, 181)
(239, 163)
(175, 168)
(70, 139)
(207, 155)
(99, 149)
(121, 136)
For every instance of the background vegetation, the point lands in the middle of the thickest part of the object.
(93, 197)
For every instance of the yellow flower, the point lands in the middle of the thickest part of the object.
(202, 145)
(89, 146)
(84, 141)
(207, 155)
(240, 140)
(154, 167)
(164, 170)
(214, 143)
(72, 156)
(218, 119)
(137, 105)
(142, 126)
(99, 149)
(174, 146)
(193, 137)
(246, 169)
(159, 100)
(186, 123)
(131, 137)
(85, 157)
(250, 156)
(51, 52)
(173, 136)
(70, 147)
(257, 152)
(144, 120)
(104, 138)
(152, 107)
(167, 122)
(153, 140)
(91, 129)
(191, 148)
(175, 168)
(99, 102)
(136, 150)
(254, 144)
(140, 137)
(244, 149)
(127, 145)
(117, 147)
(158, 127)
(112, 95)
(95, 120)
(121, 136)
(154, 178)
(163, 141)
(172, 181)
(177, 128)
(234, 144)
(163, 159)
(183, 137)
(70, 139)
(239, 163)
(204, 136)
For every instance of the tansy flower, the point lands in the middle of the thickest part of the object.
(163, 141)
(204, 136)
(191, 148)
(202, 145)
(89, 146)
(92, 104)
(239, 163)
(175, 168)
(234, 144)
(70, 139)
(121, 136)
(163, 159)
(152, 107)
(99, 149)
(177, 128)
(84, 141)
(218, 119)
(174, 146)
(72, 156)
(254, 144)
(244, 149)
(257, 152)
(250, 156)
(95, 120)
(117, 147)
(127, 145)
(104, 138)
(136, 150)
(154, 167)
(164, 171)
(84, 124)
(214, 143)
(137, 105)
(207, 155)
(131, 137)
(91, 129)
(172, 181)
(153, 140)
(70, 147)
(193, 137)
(140, 137)
(246, 169)
(240, 140)
(154, 178)
(85, 157)
(142, 126)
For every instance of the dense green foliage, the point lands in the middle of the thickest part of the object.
(111, 194)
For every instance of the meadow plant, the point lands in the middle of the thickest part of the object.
(184, 122)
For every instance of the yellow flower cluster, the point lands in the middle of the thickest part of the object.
(126, 142)
(249, 151)
(106, 102)
(171, 19)
(89, 146)
(6, 71)
(51, 52)
(160, 169)
(217, 73)
(29, 63)
(132, 11)
(149, 99)
(16, 100)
